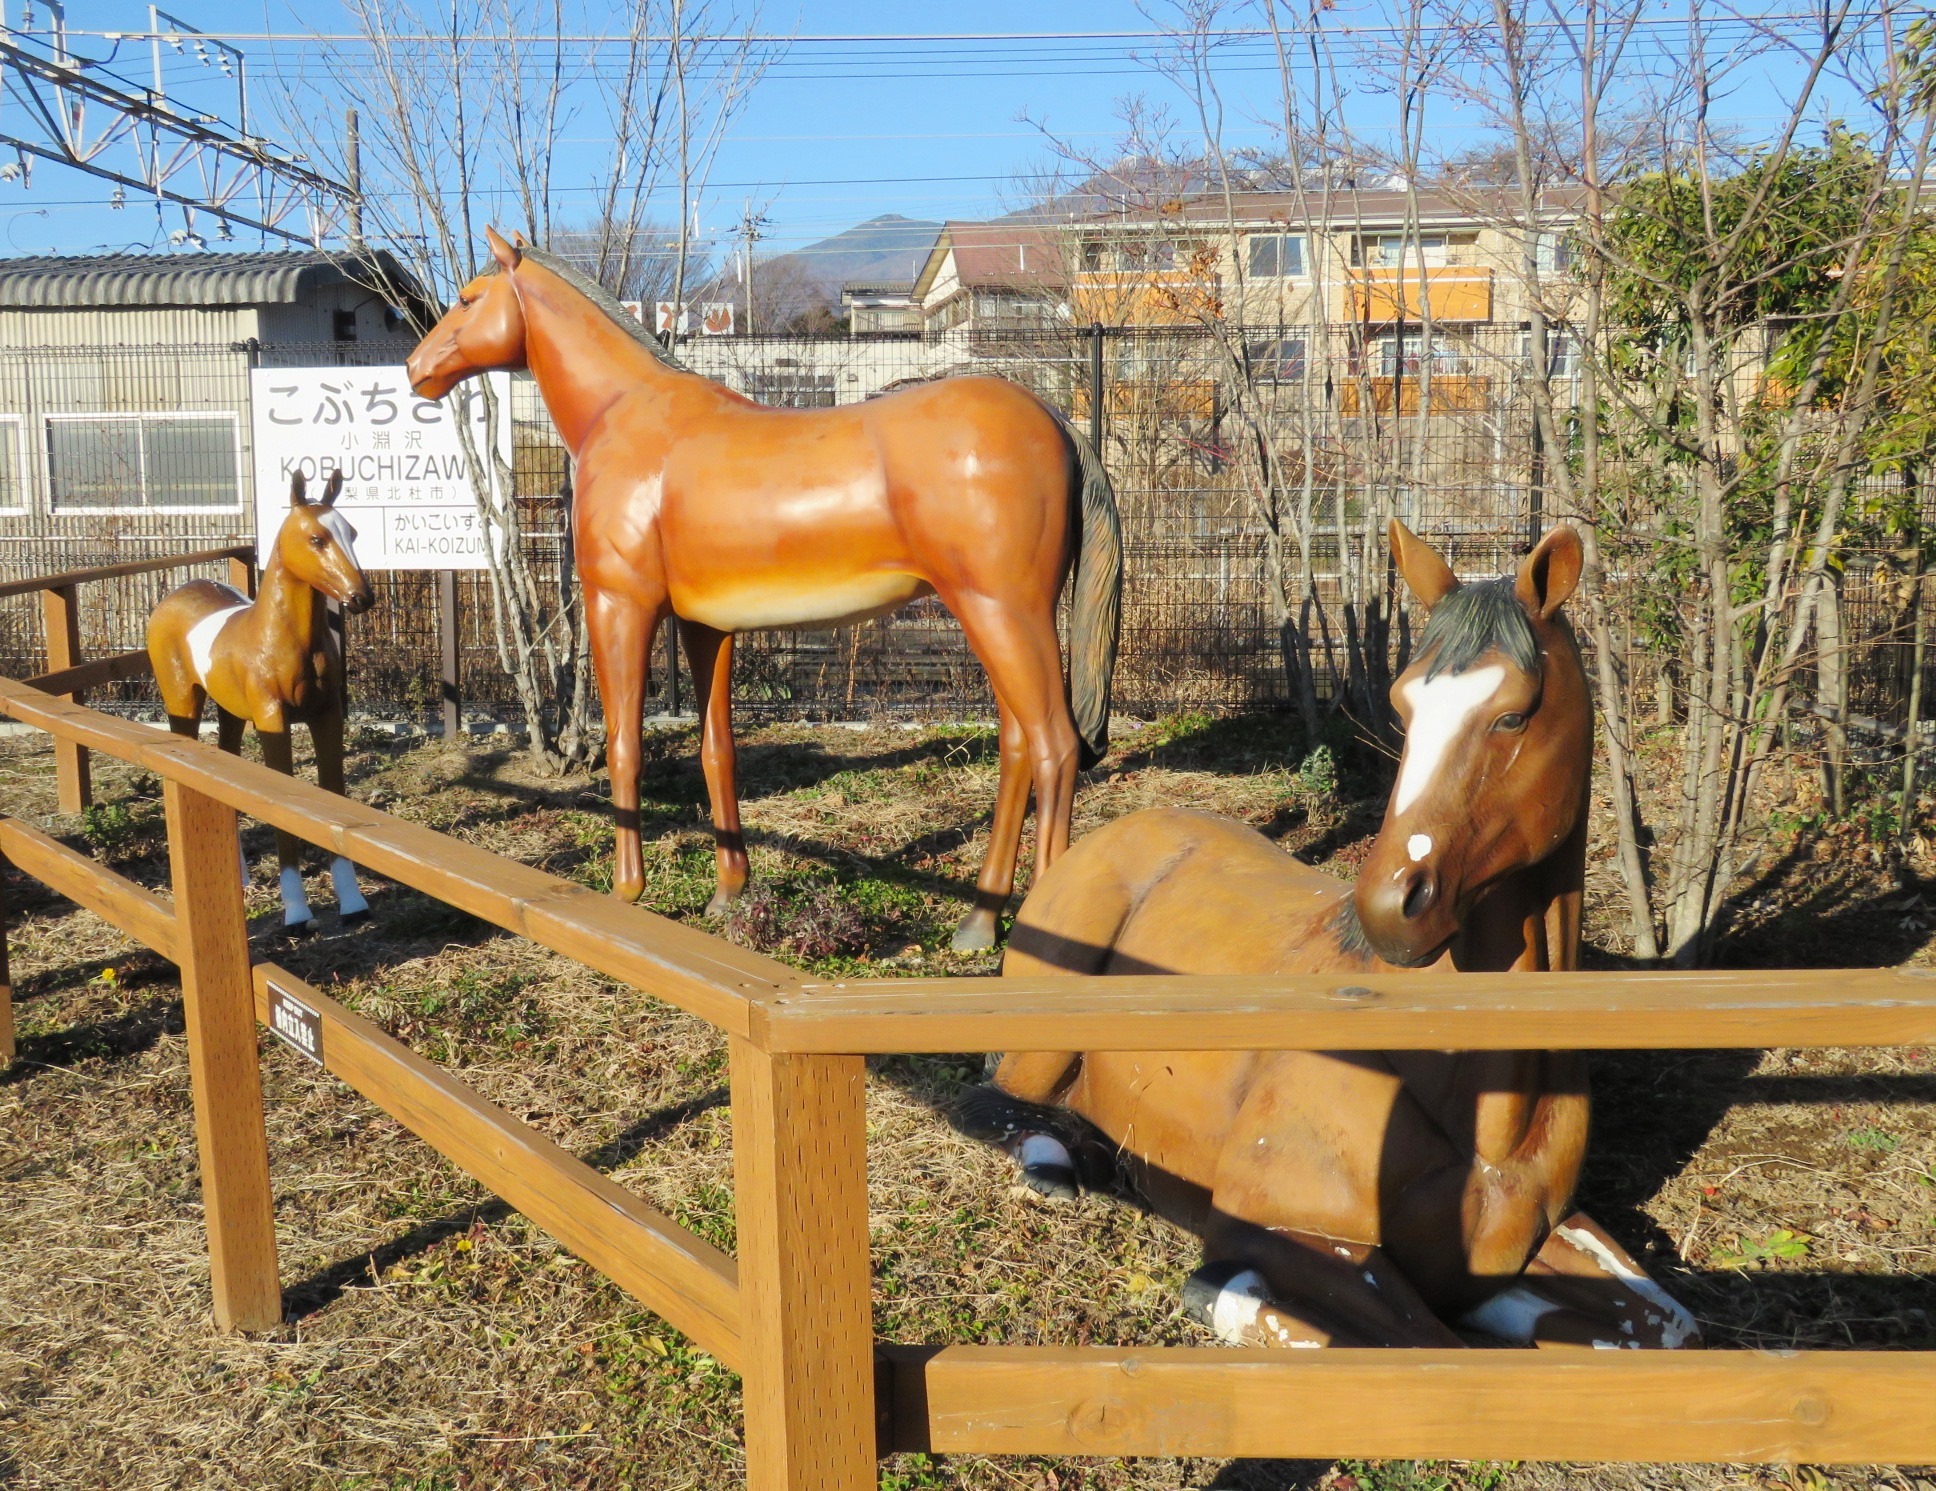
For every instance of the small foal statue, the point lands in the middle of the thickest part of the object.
(272, 662)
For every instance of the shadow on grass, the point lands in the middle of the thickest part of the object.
(308, 1296)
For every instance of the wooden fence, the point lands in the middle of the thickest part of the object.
(791, 1313)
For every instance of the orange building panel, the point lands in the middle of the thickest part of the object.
(1381, 295)
(1451, 394)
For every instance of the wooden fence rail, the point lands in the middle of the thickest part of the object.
(791, 1313)
(67, 675)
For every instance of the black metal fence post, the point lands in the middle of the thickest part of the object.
(449, 674)
(1095, 385)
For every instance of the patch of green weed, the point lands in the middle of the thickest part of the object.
(1758, 1252)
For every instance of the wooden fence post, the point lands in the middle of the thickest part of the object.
(62, 622)
(242, 574)
(218, 1001)
(800, 1189)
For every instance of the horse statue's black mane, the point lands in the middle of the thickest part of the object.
(605, 300)
(1471, 621)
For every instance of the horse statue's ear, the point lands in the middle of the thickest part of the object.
(501, 251)
(1430, 577)
(1551, 573)
(519, 241)
(331, 491)
(297, 486)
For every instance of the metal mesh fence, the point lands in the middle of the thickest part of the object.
(116, 453)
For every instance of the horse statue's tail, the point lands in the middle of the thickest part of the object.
(1097, 610)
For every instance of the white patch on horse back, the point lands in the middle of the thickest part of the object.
(1676, 1324)
(839, 601)
(1510, 1314)
(201, 636)
(1418, 846)
(339, 525)
(1440, 708)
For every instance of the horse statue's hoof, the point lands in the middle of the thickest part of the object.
(350, 919)
(1224, 1296)
(297, 931)
(976, 934)
(1048, 1168)
(721, 903)
(994, 1117)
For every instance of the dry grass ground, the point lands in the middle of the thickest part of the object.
(435, 1340)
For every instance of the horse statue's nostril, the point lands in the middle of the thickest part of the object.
(1420, 893)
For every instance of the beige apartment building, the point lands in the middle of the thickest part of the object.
(1260, 259)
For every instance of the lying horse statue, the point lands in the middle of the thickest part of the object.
(691, 501)
(272, 662)
(1364, 1198)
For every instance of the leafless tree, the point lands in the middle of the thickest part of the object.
(464, 111)
(1675, 429)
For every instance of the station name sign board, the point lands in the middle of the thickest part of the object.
(406, 487)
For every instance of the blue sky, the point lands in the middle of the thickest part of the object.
(836, 133)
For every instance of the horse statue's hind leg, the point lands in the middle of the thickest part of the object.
(278, 754)
(710, 655)
(1017, 646)
(326, 736)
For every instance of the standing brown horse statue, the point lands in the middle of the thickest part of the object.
(1364, 1198)
(694, 502)
(272, 662)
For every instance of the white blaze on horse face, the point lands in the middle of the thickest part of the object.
(345, 535)
(1418, 846)
(201, 636)
(1440, 709)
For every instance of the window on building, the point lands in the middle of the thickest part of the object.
(1408, 355)
(1276, 256)
(1561, 355)
(132, 462)
(13, 493)
(1394, 251)
(1277, 360)
(343, 325)
(790, 388)
(1552, 253)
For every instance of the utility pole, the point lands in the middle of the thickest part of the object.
(751, 225)
(353, 164)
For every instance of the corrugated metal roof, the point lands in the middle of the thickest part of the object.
(72, 282)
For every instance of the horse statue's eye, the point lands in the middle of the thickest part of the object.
(318, 540)
(1510, 722)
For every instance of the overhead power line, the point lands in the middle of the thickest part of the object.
(920, 38)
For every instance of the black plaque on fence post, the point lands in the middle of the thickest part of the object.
(295, 1024)
(447, 634)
